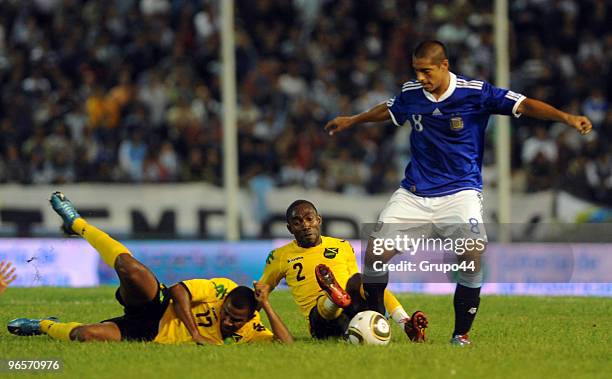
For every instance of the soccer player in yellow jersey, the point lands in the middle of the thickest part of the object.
(324, 279)
(202, 311)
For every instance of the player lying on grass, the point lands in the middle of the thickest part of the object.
(312, 264)
(7, 275)
(198, 310)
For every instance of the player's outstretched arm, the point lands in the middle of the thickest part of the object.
(181, 300)
(281, 333)
(376, 114)
(541, 110)
(7, 275)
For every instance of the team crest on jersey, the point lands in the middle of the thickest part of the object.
(456, 123)
(220, 290)
(330, 252)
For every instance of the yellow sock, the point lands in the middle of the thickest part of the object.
(391, 301)
(58, 330)
(395, 309)
(327, 309)
(108, 248)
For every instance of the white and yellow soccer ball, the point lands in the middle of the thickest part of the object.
(369, 328)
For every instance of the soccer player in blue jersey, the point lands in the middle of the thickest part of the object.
(443, 180)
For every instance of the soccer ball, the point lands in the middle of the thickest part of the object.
(369, 328)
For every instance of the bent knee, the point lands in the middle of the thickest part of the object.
(353, 285)
(128, 267)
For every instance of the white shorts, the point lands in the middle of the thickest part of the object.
(456, 215)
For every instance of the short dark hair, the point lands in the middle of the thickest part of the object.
(433, 49)
(295, 204)
(243, 297)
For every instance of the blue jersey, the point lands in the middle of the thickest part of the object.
(447, 138)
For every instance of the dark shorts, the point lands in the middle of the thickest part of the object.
(141, 323)
(321, 328)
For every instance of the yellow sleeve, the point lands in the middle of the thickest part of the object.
(351, 260)
(208, 290)
(272, 273)
(256, 331)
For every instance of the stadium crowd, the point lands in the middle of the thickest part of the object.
(129, 90)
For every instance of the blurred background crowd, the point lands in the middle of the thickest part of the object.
(129, 90)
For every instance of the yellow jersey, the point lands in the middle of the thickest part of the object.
(297, 266)
(206, 300)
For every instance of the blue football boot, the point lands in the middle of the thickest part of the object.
(64, 208)
(27, 326)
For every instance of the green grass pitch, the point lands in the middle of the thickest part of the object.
(521, 337)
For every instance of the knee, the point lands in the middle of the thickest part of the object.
(128, 267)
(353, 285)
(470, 279)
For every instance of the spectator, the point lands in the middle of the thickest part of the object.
(539, 157)
(59, 169)
(595, 107)
(599, 177)
(12, 167)
(168, 162)
(132, 154)
(83, 76)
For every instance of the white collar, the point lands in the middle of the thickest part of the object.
(449, 91)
